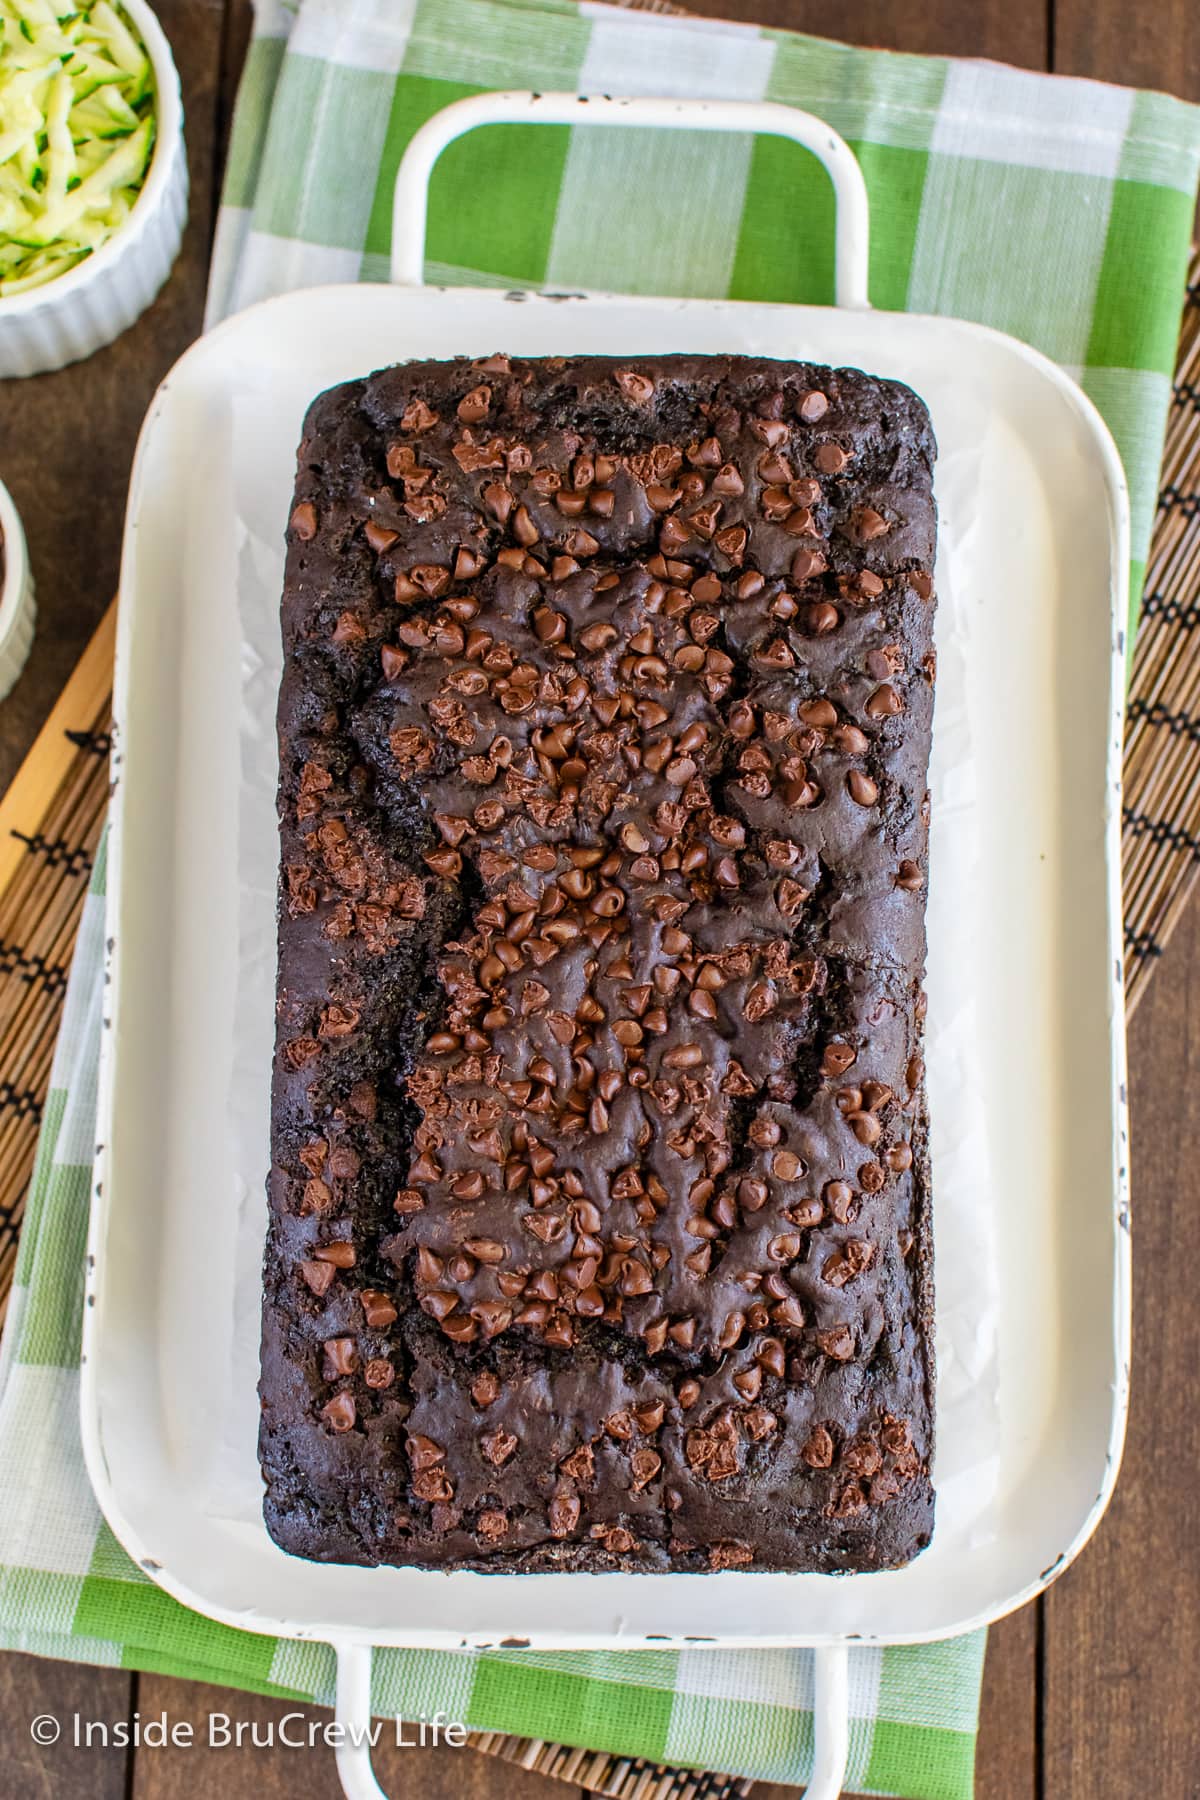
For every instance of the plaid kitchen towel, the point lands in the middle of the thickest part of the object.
(1059, 211)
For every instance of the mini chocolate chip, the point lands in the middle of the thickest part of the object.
(788, 1314)
(637, 388)
(341, 1357)
(318, 1276)
(340, 1413)
(474, 407)
(869, 524)
(806, 564)
(378, 1309)
(836, 1058)
(830, 458)
(821, 618)
(817, 1450)
(850, 740)
(837, 1342)
(563, 1514)
(417, 417)
(884, 703)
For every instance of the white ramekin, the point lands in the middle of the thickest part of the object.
(93, 303)
(17, 609)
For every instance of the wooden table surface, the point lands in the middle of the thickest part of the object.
(1088, 1695)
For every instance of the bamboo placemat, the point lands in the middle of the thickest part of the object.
(598, 1773)
(1161, 837)
(52, 816)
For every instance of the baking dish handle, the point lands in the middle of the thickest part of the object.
(411, 194)
(831, 1722)
(352, 1712)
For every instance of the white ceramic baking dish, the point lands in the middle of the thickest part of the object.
(93, 303)
(1033, 579)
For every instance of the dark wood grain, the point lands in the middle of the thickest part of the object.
(1015, 33)
(1155, 45)
(31, 1687)
(1007, 1755)
(262, 1772)
(66, 439)
(1123, 1626)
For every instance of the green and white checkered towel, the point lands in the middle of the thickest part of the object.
(1059, 211)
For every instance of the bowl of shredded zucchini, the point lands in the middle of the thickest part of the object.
(93, 182)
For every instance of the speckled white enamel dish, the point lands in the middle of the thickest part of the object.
(1024, 943)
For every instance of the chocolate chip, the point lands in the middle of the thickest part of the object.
(340, 1412)
(788, 1314)
(563, 1515)
(830, 458)
(637, 389)
(812, 406)
(304, 526)
(417, 417)
(645, 1465)
(817, 1450)
(806, 564)
(474, 407)
(861, 788)
(884, 702)
(837, 1342)
(836, 1058)
(432, 1485)
(868, 524)
(850, 740)
(498, 1446)
(378, 1309)
(318, 1276)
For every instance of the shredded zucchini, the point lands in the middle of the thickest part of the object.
(76, 134)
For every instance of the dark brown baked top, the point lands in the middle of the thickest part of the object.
(599, 1201)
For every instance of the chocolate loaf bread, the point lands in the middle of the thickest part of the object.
(599, 1203)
